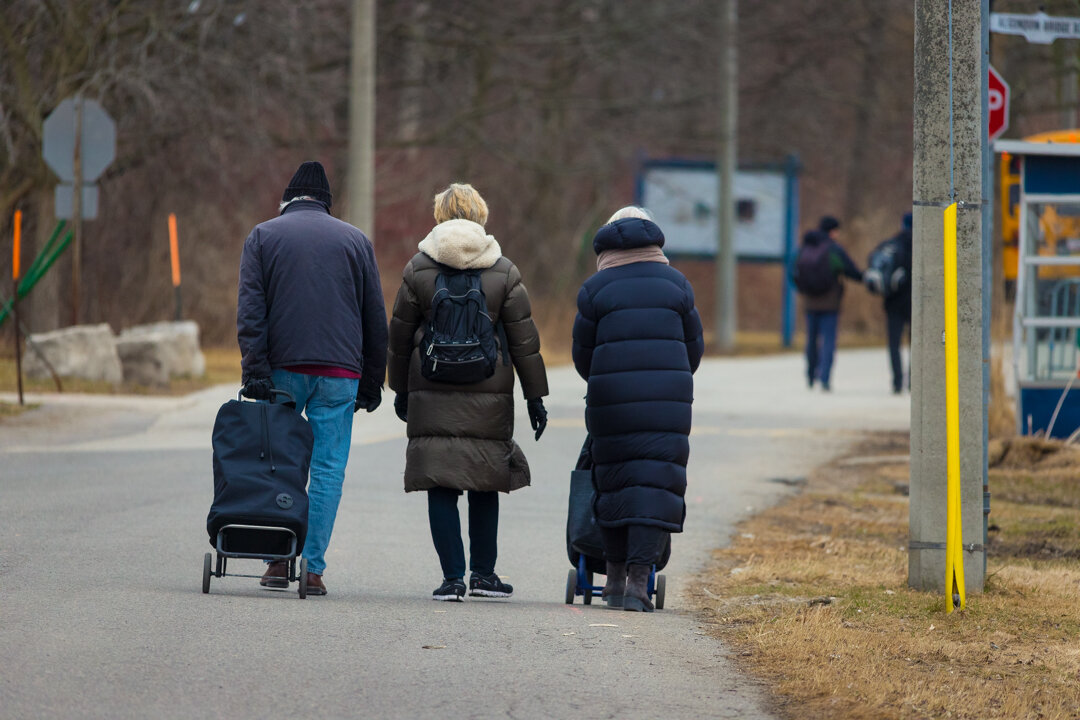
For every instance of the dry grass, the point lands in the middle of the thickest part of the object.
(12, 409)
(812, 596)
(222, 366)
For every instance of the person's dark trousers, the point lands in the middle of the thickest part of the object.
(896, 322)
(820, 345)
(446, 531)
(634, 544)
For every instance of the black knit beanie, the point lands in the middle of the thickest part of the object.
(309, 179)
(828, 223)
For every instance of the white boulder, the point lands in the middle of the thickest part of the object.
(176, 349)
(80, 351)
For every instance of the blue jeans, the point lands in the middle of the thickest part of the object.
(328, 404)
(820, 331)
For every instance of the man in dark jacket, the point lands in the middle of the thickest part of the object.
(822, 304)
(898, 304)
(637, 341)
(311, 322)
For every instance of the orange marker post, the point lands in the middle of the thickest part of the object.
(174, 252)
(16, 256)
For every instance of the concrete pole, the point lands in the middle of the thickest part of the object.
(987, 255)
(948, 149)
(727, 151)
(361, 178)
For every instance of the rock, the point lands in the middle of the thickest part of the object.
(80, 351)
(178, 347)
(145, 360)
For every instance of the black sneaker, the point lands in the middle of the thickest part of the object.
(452, 589)
(489, 586)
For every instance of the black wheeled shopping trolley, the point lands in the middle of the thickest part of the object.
(262, 453)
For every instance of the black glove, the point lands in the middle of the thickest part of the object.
(537, 415)
(368, 397)
(257, 388)
(401, 406)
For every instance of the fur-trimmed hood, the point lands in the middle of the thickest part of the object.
(462, 245)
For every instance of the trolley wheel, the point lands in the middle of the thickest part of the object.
(661, 585)
(206, 561)
(303, 578)
(571, 586)
(587, 598)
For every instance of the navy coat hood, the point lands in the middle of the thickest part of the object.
(627, 234)
(815, 237)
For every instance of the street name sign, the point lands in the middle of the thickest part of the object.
(999, 104)
(1038, 28)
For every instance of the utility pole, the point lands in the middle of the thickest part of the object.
(727, 149)
(950, 131)
(361, 176)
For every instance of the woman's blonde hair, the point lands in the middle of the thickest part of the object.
(460, 201)
(631, 211)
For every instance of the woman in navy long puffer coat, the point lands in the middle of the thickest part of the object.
(637, 341)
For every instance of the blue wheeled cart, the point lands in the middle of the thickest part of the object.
(585, 546)
(579, 582)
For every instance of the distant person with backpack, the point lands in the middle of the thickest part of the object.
(311, 321)
(819, 266)
(461, 325)
(888, 274)
(637, 342)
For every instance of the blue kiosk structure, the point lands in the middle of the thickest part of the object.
(1046, 323)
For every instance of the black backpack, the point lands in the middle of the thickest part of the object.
(885, 273)
(459, 345)
(814, 273)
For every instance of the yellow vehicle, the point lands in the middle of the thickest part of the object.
(1059, 231)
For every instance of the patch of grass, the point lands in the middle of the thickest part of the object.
(813, 597)
(14, 409)
(222, 366)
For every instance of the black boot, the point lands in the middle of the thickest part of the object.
(615, 587)
(636, 598)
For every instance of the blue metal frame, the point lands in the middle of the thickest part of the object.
(790, 167)
(584, 587)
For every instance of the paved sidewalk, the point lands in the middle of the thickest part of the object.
(102, 513)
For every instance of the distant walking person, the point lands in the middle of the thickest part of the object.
(637, 341)
(311, 321)
(461, 317)
(817, 275)
(888, 274)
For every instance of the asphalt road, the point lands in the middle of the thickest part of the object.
(102, 514)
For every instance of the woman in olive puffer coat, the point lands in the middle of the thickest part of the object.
(461, 436)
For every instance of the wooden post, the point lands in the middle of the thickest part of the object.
(76, 216)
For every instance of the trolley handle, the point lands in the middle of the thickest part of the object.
(290, 400)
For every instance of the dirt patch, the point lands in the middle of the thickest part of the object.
(813, 598)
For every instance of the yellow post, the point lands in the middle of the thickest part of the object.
(954, 540)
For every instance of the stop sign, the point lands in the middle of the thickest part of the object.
(999, 105)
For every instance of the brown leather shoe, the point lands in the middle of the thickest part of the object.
(315, 584)
(277, 575)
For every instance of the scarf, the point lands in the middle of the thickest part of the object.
(616, 258)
